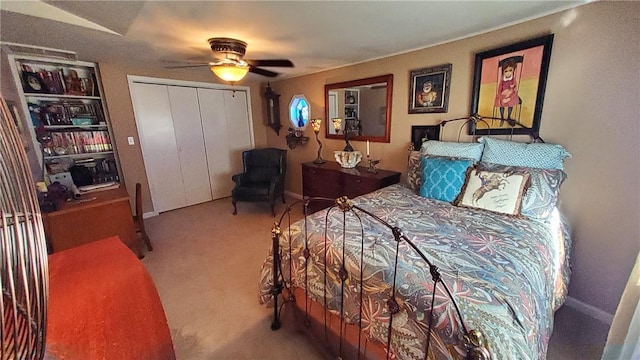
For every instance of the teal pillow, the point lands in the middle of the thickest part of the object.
(442, 178)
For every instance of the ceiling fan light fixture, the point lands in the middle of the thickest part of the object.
(230, 72)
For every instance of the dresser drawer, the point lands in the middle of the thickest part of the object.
(330, 180)
(356, 185)
(321, 182)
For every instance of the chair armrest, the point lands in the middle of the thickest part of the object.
(239, 179)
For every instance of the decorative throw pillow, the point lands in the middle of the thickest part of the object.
(414, 170)
(499, 192)
(452, 149)
(542, 194)
(535, 155)
(442, 178)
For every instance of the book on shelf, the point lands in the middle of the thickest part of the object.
(53, 81)
(80, 142)
(97, 170)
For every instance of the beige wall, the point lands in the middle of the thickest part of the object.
(591, 107)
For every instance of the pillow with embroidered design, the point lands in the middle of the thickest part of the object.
(499, 192)
(541, 197)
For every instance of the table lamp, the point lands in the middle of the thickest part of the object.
(315, 125)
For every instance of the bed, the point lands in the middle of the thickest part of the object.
(371, 263)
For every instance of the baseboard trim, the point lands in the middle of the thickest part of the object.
(589, 310)
(293, 195)
(149, 214)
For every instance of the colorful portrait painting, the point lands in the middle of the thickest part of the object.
(509, 85)
(429, 89)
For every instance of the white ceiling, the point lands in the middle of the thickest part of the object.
(315, 35)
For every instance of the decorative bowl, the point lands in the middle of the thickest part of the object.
(348, 159)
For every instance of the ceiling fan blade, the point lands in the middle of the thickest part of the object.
(262, 72)
(186, 66)
(273, 62)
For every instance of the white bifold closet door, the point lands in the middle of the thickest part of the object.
(159, 147)
(192, 141)
(226, 132)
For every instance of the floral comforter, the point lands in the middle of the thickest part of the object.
(507, 274)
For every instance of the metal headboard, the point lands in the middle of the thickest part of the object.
(468, 120)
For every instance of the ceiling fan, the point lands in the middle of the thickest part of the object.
(229, 64)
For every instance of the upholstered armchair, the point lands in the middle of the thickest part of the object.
(262, 179)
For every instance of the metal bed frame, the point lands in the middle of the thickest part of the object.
(473, 340)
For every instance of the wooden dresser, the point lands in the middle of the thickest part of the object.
(331, 180)
(96, 216)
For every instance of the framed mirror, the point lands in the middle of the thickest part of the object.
(364, 105)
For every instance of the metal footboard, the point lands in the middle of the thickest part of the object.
(473, 340)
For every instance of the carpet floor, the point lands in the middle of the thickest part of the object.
(206, 264)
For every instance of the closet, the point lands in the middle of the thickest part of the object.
(192, 138)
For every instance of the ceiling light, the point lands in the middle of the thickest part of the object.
(230, 72)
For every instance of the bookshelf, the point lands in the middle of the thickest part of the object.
(65, 108)
(352, 111)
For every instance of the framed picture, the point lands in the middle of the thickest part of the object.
(421, 133)
(429, 89)
(79, 109)
(508, 87)
(55, 114)
(31, 83)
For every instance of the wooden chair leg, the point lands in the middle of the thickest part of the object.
(235, 209)
(147, 241)
(273, 212)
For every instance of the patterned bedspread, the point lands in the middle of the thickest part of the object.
(507, 274)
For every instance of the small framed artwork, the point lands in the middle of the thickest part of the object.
(55, 114)
(79, 109)
(299, 110)
(422, 133)
(508, 87)
(429, 89)
(31, 83)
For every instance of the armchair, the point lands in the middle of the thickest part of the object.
(262, 179)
